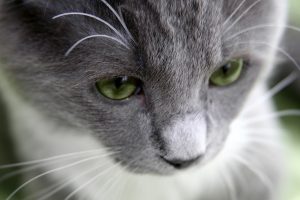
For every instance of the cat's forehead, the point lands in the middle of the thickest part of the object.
(179, 34)
(170, 33)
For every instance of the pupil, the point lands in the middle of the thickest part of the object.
(226, 68)
(120, 81)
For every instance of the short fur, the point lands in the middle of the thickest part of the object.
(173, 47)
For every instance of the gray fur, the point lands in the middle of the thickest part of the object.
(176, 46)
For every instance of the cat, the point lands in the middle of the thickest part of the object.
(143, 100)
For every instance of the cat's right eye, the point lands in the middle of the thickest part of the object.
(119, 88)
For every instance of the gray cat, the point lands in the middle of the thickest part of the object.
(143, 99)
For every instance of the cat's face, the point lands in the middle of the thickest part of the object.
(177, 113)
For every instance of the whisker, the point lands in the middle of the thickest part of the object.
(258, 138)
(49, 159)
(265, 143)
(17, 172)
(119, 18)
(263, 178)
(49, 172)
(121, 189)
(64, 184)
(89, 182)
(94, 36)
(40, 193)
(108, 185)
(266, 154)
(272, 92)
(251, 132)
(234, 12)
(241, 16)
(93, 17)
(271, 46)
(261, 27)
(229, 184)
(27, 169)
(284, 113)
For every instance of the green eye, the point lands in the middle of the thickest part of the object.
(228, 73)
(119, 88)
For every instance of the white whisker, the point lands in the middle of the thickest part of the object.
(263, 178)
(27, 169)
(241, 16)
(285, 113)
(272, 92)
(108, 185)
(17, 172)
(271, 46)
(64, 184)
(258, 138)
(49, 172)
(76, 154)
(229, 184)
(118, 17)
(261, 27)
(93, 17)
(121, 189)
(251, 129)
(89, 182)
(234, 12)
(94, 36)
(40, 193)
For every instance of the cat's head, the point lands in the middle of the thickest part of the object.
(158, 81)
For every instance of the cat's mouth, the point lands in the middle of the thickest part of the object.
(160, 165)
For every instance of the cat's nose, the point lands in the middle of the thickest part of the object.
(182, 164)
(184, 141)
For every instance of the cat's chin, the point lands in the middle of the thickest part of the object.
(153, 172)
(164, 172)
(142, 169)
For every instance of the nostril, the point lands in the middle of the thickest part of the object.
(181, 164)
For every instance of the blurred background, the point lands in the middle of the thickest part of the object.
(289, 98)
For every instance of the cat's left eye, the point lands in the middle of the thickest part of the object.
(119, 88)
(227, 74)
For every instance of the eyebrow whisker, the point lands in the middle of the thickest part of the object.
(119, 18)
(94, 36)
(233, 13)
(241, 16)
(93, 17)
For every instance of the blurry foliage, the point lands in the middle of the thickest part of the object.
(290, 99)
(7, 154)
(295, 11)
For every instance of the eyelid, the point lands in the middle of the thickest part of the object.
(96, 76)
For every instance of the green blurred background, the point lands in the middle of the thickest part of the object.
(287, 99)
(290, 99)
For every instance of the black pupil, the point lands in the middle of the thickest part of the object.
(120, 81)
(226, 68)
